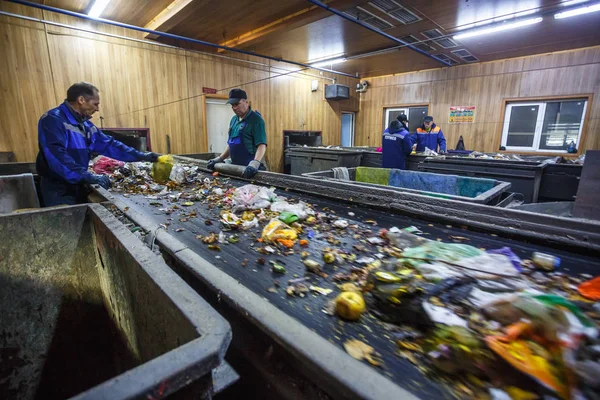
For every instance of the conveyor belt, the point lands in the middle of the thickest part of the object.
(308, 310)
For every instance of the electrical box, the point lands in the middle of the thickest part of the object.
(337, 92)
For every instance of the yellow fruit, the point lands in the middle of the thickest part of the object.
(329, 258)
(349, 305)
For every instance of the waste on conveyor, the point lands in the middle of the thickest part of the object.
(485, 322)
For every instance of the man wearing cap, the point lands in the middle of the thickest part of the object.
(247, 141)
(430, 135)
(397, 144)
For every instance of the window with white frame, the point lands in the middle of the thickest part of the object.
(544, 126)
(415, 115)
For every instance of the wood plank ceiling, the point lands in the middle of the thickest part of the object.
(299, 31)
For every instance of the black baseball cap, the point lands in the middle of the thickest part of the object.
(402, 118)
(235, 95)
(428, 118)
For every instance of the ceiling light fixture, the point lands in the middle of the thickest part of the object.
(572, 2)
(498, 28)
(327, 63)
(497, 19)
(578, 11)
(97, 8)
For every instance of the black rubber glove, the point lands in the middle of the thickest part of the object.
(151, 157)
(251, 169)
(211, 163)
(101, 180)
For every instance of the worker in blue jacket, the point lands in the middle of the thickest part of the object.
(66, 139)
(431, 136)
(397, 144)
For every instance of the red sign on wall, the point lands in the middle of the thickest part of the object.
(207, 90)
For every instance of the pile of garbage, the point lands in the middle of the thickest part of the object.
(486, 322)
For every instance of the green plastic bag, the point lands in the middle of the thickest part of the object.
(288, 217)
(438, 251)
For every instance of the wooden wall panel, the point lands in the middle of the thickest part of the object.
(484, 85)
(26, 85)
(144, 85)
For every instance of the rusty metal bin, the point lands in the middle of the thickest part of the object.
(88, 311)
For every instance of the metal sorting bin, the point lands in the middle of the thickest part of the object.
(473, 190)
(560, 182)
(524, 176)
(87, 310)
(312, 159)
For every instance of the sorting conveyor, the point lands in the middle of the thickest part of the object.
(295, 331)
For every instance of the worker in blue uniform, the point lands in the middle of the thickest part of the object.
(67, 139)
(247, 141)
(431, 136)
(397, 144)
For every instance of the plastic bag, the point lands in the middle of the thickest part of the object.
(252, 197)
(433, 251)
(515, 259)
(277, 230)
(161, 170)
(429, 152)
(106, 165)
(590, 289)
(177, 174)
(288, 217)
(300, 209)
(461, 144)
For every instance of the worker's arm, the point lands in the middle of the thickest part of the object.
(110, 147)
(259, 139)
(441, 141)
(260, 152)
(408, 141)
(52, 138)
(225, 153)
(211, 163)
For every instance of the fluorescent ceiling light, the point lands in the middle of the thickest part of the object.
(498, 19)
(498, 28)
(578, 11)
(572, 2)
(97, 8)
(326, 63)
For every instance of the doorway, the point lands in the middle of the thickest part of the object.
(217, 116)
(347, 136)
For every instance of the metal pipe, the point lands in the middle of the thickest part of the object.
(172, 36)
(150, 42)
(377, 31)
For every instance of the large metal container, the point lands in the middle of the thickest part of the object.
(312, 159)
(524, 176)
(473, 190)
(87, 310)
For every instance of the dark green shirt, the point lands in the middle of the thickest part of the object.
(253, 133)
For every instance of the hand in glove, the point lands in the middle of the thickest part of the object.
(151, 157)
(251, 169)
(211, 163)
(101, 180)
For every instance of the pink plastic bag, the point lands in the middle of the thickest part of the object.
(105, 165)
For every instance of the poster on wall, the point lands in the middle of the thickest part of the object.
(461, 115)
